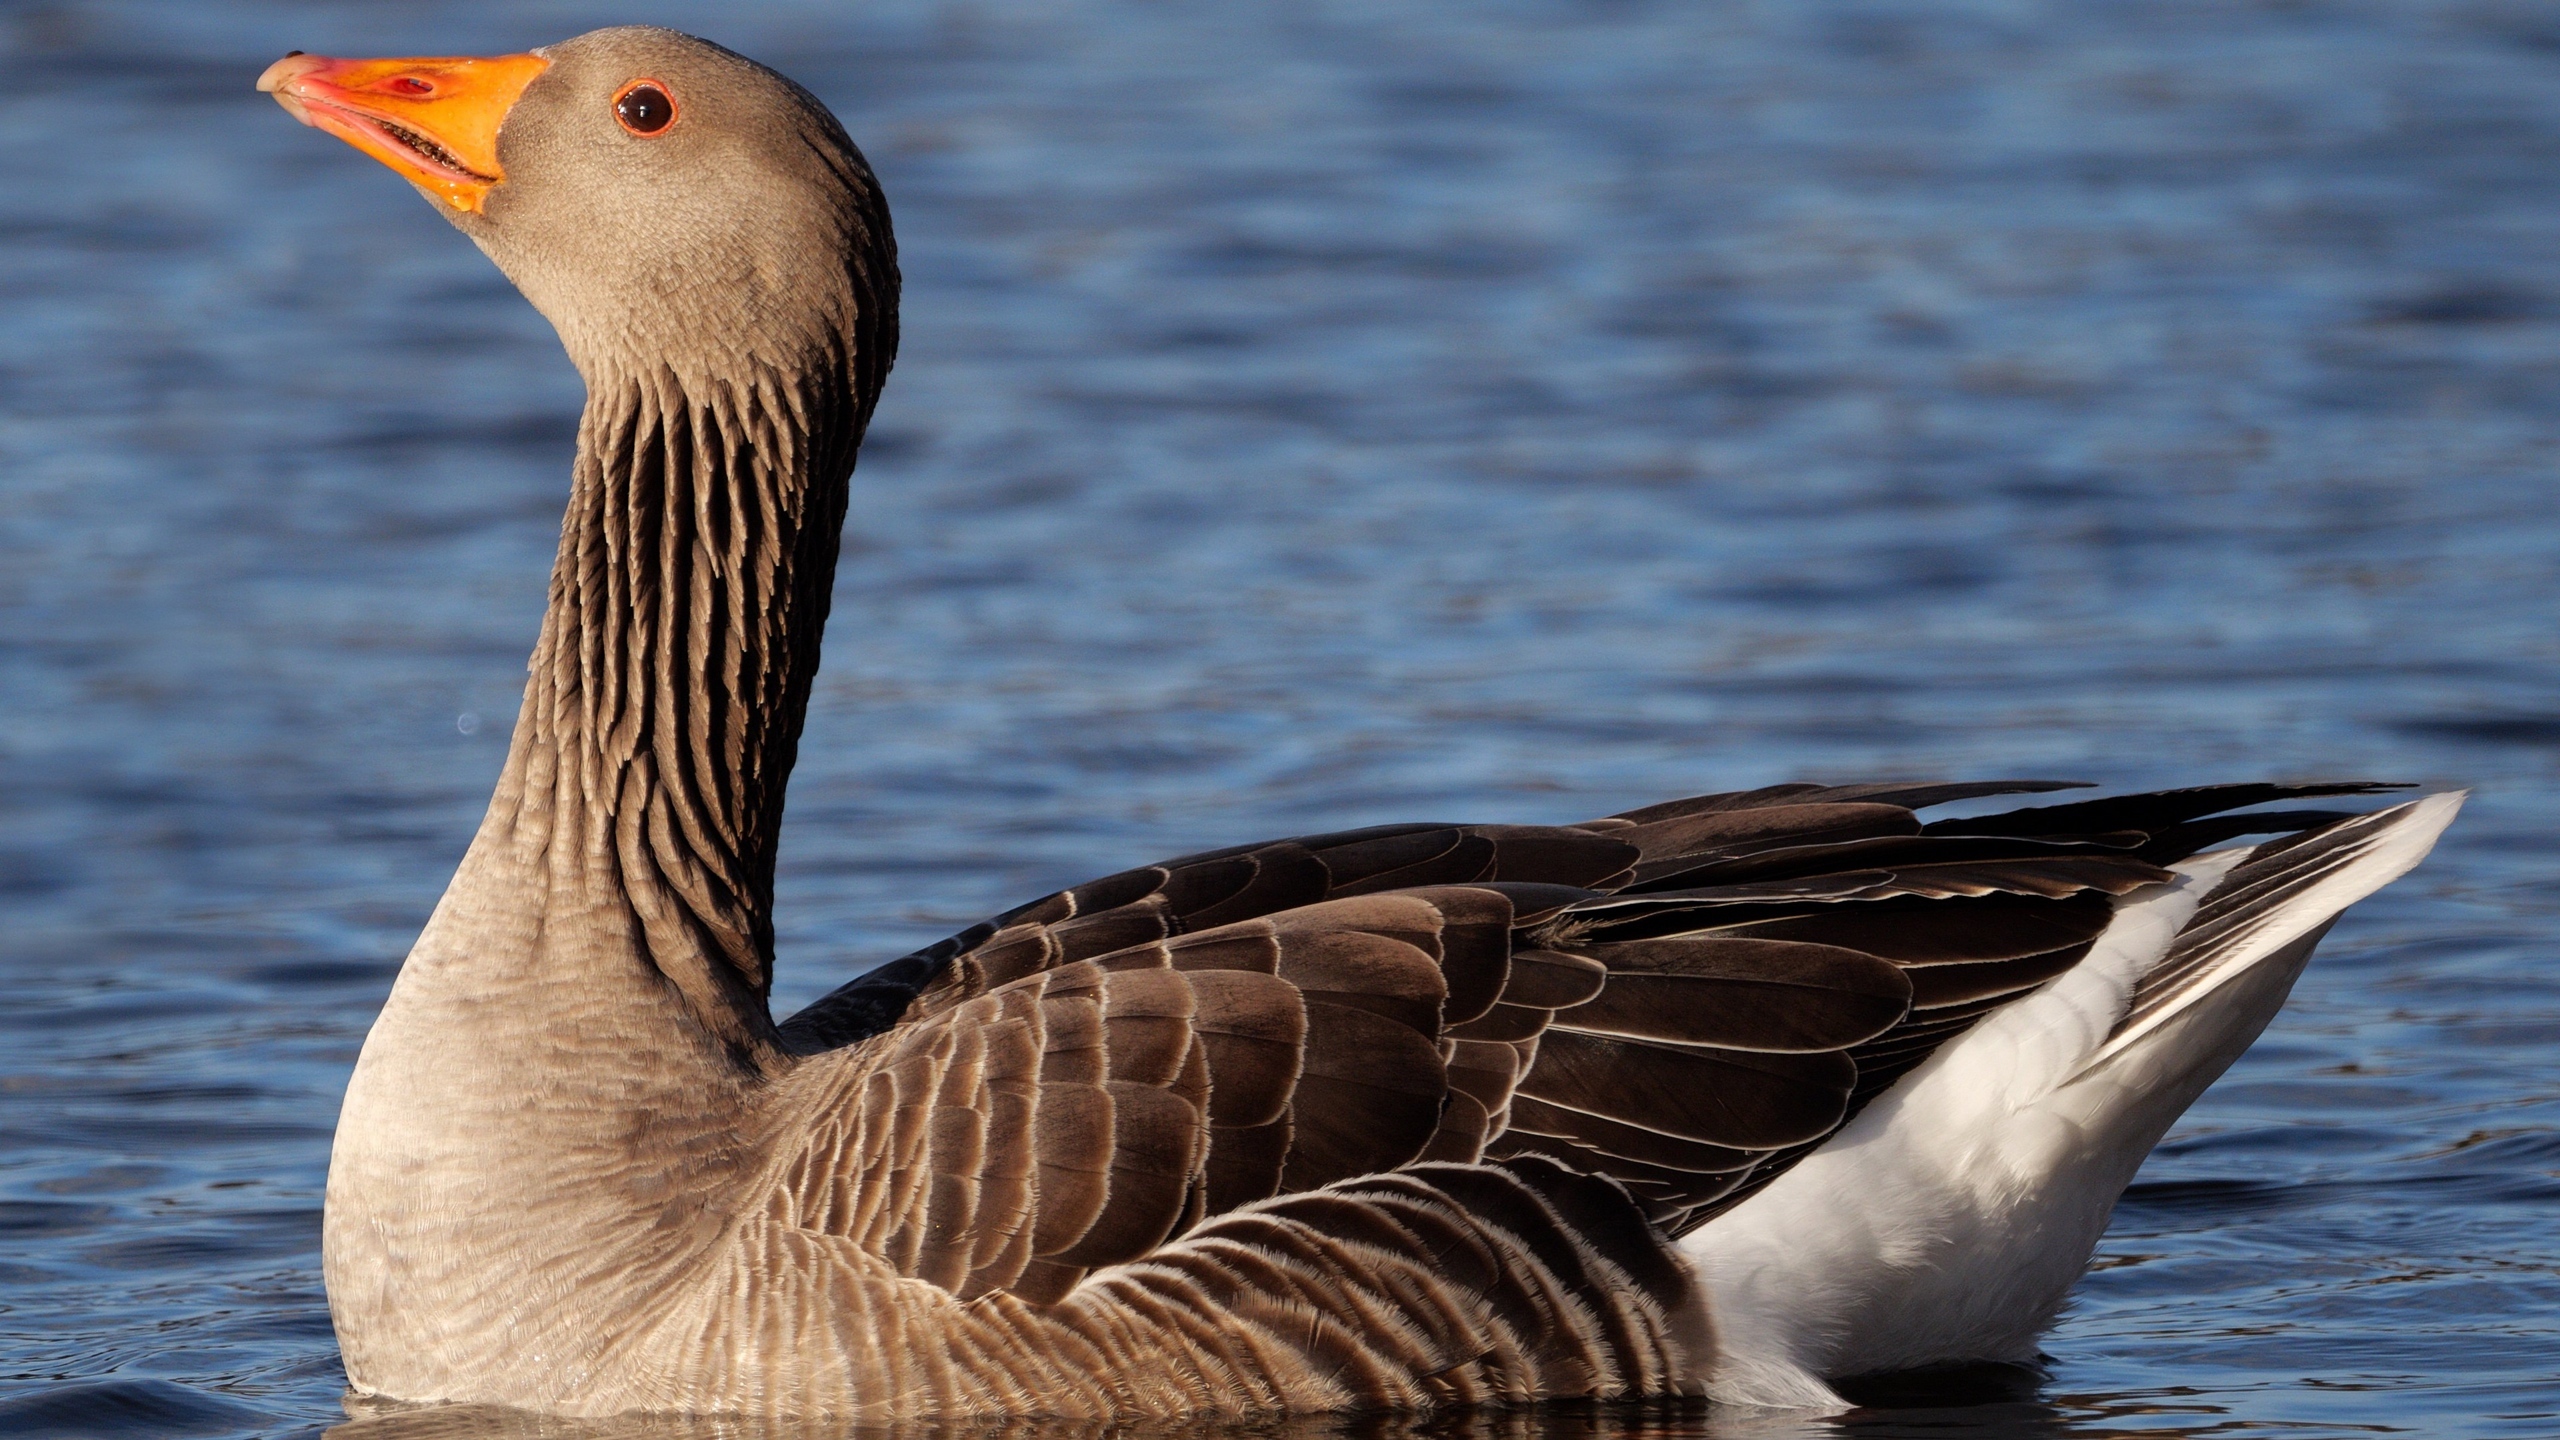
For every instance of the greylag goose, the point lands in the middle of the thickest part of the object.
(1730, 1097)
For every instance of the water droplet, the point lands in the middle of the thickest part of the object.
(467, 722)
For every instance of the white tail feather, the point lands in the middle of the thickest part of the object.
(1949, 1220)
(2398, 839)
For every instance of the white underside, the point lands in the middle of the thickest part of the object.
(1947, 1223)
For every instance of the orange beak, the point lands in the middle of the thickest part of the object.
(434, 120)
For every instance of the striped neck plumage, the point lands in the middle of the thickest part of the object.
(666, 694)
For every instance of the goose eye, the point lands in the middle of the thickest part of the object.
(644, 107)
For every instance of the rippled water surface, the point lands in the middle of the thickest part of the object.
(1313, 416)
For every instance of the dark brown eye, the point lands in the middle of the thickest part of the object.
(644, 107)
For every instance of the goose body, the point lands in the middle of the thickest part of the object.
(1727, 1097)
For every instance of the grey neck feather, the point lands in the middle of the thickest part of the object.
(666, 695)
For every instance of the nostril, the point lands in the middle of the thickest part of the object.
(411, 85)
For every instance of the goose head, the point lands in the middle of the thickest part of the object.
(659, 199)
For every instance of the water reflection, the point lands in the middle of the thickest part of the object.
(1988, 1402)
(1982, 1405)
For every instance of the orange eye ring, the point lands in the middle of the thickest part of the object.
(646, 108)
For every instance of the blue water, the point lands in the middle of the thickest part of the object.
(1317, 415)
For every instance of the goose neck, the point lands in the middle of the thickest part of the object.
(666, 694)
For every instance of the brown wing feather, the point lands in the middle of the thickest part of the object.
(1920, 930)
(1081, 1115)
(1683, 999)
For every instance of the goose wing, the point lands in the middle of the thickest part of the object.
(1683, 999)
(1069, 1085)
